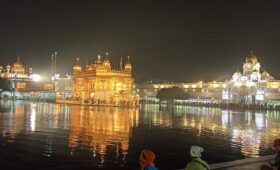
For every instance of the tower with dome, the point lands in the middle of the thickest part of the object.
(252, 86)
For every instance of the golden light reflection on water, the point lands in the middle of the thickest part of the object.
(12, 123)
(91, 128)
(99, 127)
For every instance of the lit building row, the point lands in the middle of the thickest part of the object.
(252, 86)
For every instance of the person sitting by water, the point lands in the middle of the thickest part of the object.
(276, 164)
(197, 163)
(146, 160)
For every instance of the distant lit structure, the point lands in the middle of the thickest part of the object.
(26, 84)
(17, 70)
(98, 83)
(252, 86)
(63, 86)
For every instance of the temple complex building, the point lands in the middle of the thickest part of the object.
(253, 86)
(25, 84)
(98, 83)
(17, 70)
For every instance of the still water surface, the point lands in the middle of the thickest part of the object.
(54, 136)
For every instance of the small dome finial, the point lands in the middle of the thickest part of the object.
(128, 60)
(98, 58)
(107, 56)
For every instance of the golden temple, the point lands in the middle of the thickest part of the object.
(99, 84)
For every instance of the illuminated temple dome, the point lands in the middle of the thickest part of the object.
(18, 67)
(16, 70)
(77, 67)
(18, 64)
(251, 59)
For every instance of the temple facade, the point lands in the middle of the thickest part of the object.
(25, 84)
(98, 83)
(17, 70)
(252, 86)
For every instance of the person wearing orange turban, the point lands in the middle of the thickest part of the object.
(146, 160)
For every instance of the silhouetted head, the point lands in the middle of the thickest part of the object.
(147, 157)
(196, 151)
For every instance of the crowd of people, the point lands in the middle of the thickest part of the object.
(147, 158)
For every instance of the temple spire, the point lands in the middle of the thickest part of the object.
(128, 60)
(128, 66)
(98, 58)
(121, 67)
(107, 56)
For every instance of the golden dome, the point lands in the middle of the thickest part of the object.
(77, 66)
(18, 64)
(251, 59)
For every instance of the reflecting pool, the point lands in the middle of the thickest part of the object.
(54, 136)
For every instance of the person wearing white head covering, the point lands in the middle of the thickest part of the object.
(197, 163)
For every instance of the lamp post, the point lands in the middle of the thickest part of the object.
(52, 58)
(55, 57)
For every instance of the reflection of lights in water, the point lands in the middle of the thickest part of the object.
(100, 127)
(185, 122)
(33, 119)
(112, 127)
(248, 117)
(260, 120)
(221, 121)
(199, 129)
(193, 123)
(213, 127)
(225, 118)
(249, 140)
(48, 147)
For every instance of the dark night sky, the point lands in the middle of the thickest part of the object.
(172, 40)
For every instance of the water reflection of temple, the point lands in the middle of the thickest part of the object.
(99, 128)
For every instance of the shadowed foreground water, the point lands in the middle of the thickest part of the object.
(53, 136)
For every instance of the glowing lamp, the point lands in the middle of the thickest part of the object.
(36, 77)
